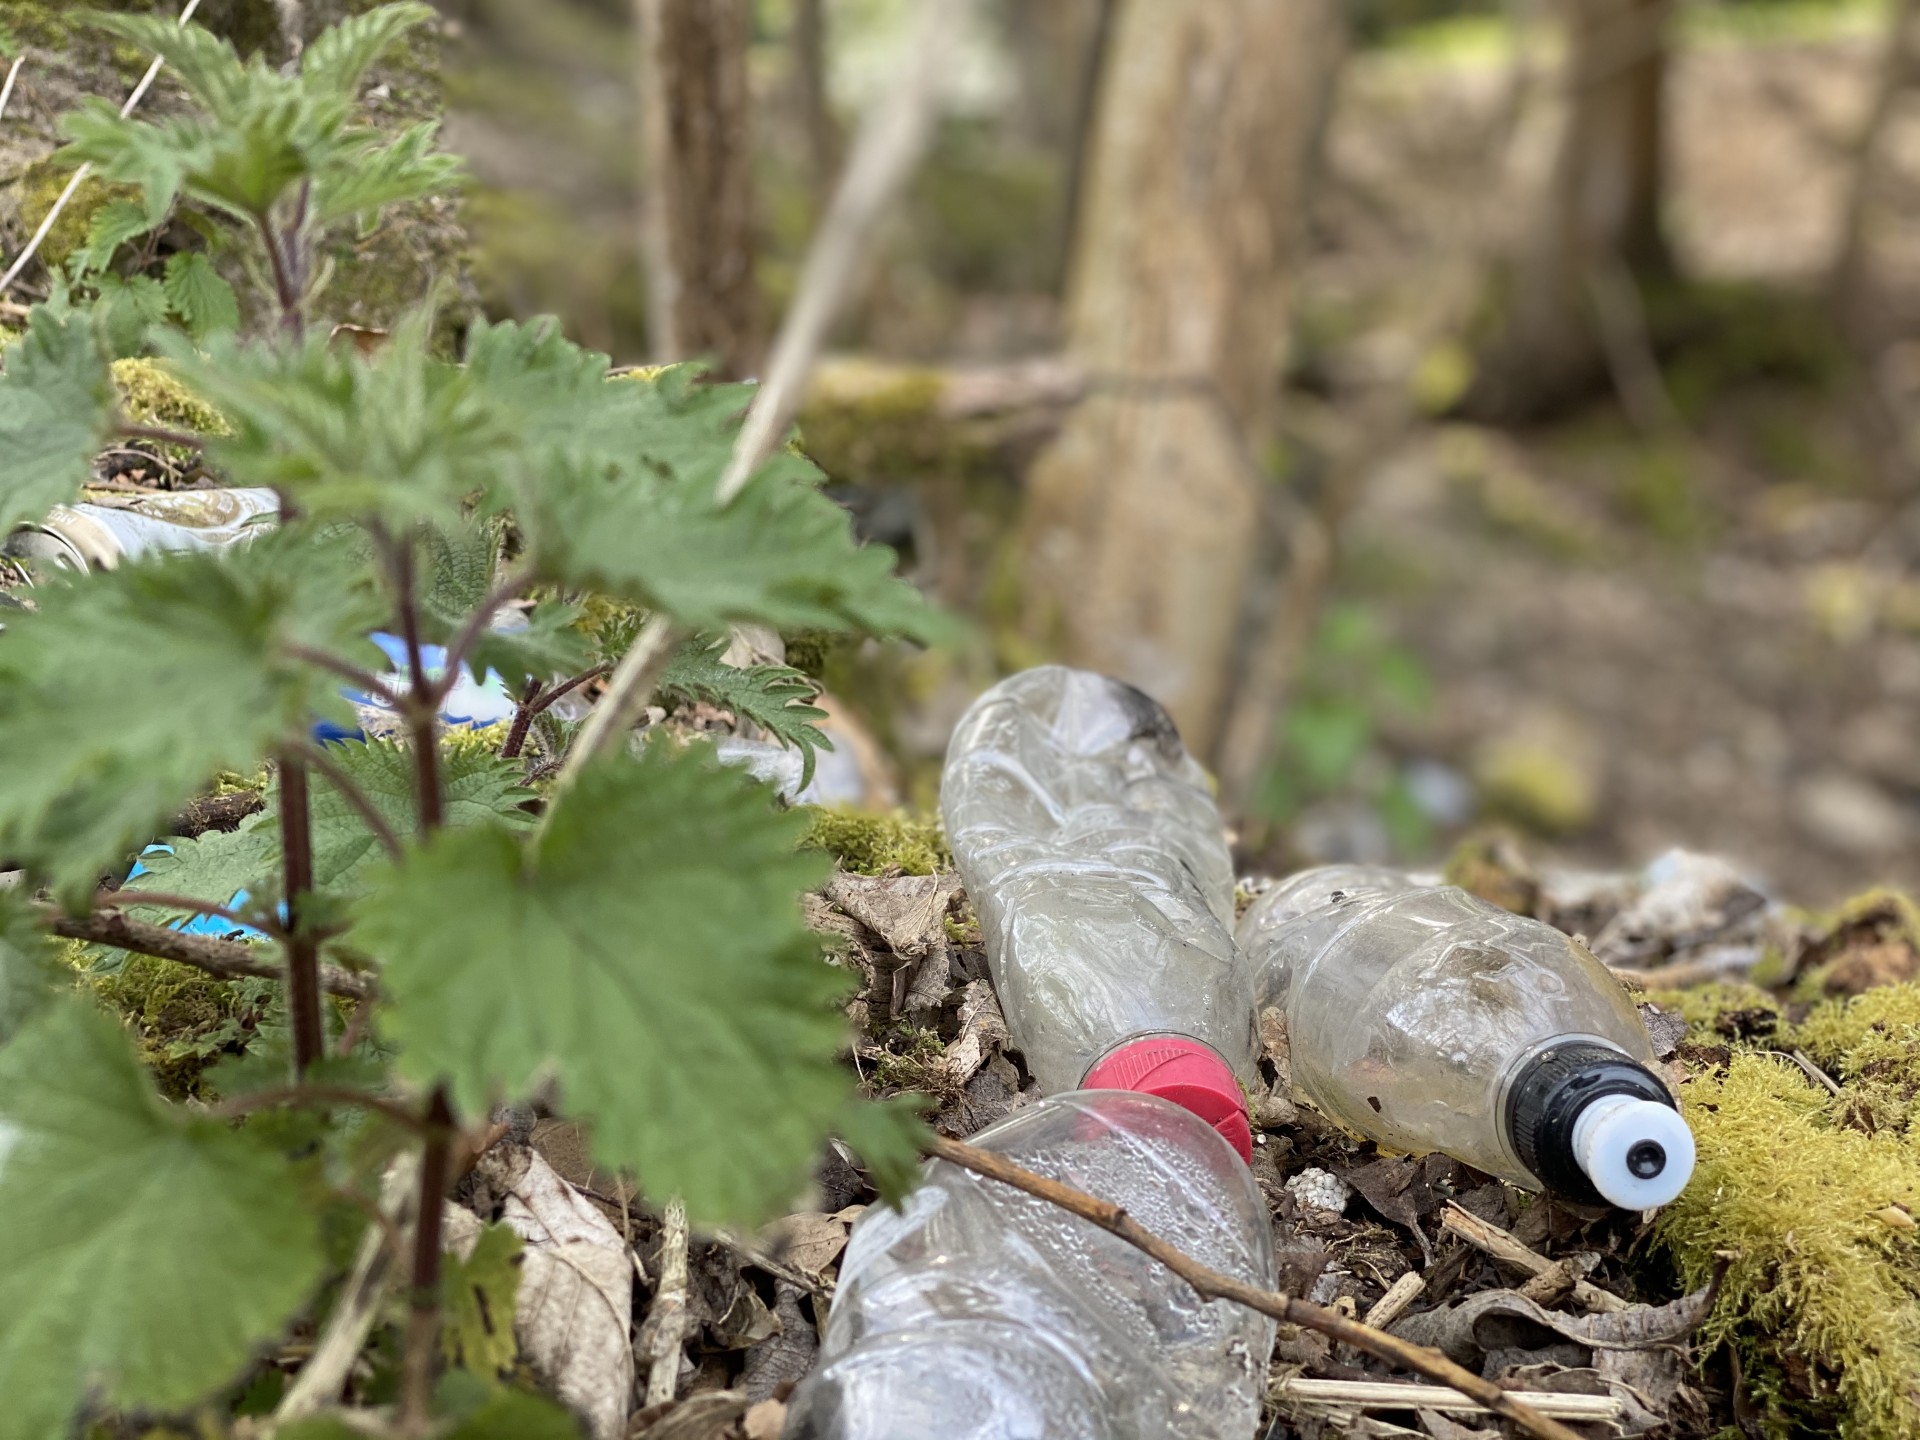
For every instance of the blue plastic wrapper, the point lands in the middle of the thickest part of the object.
(472, 703)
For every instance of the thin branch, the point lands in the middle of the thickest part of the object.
(80, 175)
(523, 714)
(222, 959)
(626, 697)
(1490, 1239)
(6, 91)
(365, 681)
(316, 756)
(321, 1097)
(355, 1313)
(470, 632)
(537, 703)
(1211, 1284)
(890, 143)
(423, 1317)
(666, 1321)
(161, 435)
(122, 899)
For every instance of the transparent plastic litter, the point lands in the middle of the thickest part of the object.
(1093, 852)
(977, 1312)
(1426, 1019)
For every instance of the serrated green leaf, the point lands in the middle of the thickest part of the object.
(113, 1207)
(774, 697)
(476, 786)
(460, 574)
(26, 965)
(55, 401)
(399, 436)
(128, 308)
(213, 868)
(366, 175)
(185, 673)
(208, 66)
(115, 223)
(654, 918)
(886, 1136)
(476, 1304)
(156, 157)
(339, 58)
(202, 299)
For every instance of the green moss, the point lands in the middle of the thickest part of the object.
(870, 844)
(1489, 864)
(1824, 1281)
(152, 396)
(1871, 939)
(1722, 1011)
(868, 422)
(39, 189)
(811, 651)
(182, 1018)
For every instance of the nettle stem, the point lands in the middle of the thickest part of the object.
(422, 700)
(423, 1314)
(303, 949)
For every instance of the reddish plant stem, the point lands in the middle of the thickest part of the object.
(421, 706)
(423, 1316)
(303, 950)
(365, 681)
(285, 289)
(470, 632)
(536, 703)
(321, 1097)
(316, 756)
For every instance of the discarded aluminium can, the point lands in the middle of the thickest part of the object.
(111, 526)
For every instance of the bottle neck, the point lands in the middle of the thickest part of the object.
(1550, 1091)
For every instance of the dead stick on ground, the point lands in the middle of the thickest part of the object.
(224, 959)
(80, 175)
(1491, 1240)
(1213, 1285)
(667, 1316)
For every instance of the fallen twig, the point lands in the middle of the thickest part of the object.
(1394, 1395)
(1392, 1305)
(13, 74)
(667, 1316)
(1490, 1239)
(1211, 1284)
(223, 959)
(80, 175)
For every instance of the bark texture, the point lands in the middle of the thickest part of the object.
(1143, 518)
(702, 299)
(1601, 213)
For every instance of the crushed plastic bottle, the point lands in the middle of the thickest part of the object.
(1092, 850)
(977, 1312)
(1426, 1019)
(111, 527)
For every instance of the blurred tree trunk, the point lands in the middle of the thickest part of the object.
(1143, 519)
(1875, 168)
(1601, 210)
(702, 299)
(812, 95)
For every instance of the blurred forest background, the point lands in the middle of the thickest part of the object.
(1458, 412)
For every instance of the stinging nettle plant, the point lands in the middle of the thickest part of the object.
(443, 939)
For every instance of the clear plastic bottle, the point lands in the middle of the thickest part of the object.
(1092, 850)
(976, 1312)
(1426, 1019)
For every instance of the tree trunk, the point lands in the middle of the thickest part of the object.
(1143, 518)
(702, 300)
(1601, 210)
(811, 95)
(1850, 282)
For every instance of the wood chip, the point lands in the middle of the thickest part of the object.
(1490, 1239)
(1385, 1395)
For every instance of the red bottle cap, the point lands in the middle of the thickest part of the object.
(1186, 1072)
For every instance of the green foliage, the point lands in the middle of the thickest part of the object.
(477, 1296)
(1826, 1267)
(870, 844)
(773, 697)
(151, 394)
(262, 132)
(1328, 741)
(55, 400)
(143, 1253)
(182, 1018)
(26, 966)
(202, 642)
(204, 302)
(652, 918)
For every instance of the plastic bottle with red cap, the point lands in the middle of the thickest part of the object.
(977, 1312)
(1093, 852)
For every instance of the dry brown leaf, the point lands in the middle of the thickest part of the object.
(709, 1415)
(765, 1420)
(908, 912)
(810, 1242)
(575, 1307)
(983, 1030)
